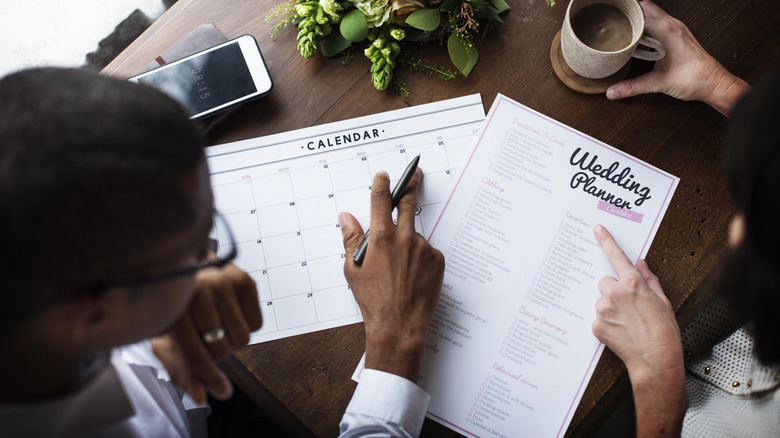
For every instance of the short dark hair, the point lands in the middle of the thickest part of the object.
(752, 163)
(91, 178)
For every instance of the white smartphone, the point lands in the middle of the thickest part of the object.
(214, 79)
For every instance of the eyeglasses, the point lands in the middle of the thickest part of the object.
(212, 260)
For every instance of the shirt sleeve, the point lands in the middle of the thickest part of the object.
(385, 405)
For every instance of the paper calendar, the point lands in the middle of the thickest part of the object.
(281, 196)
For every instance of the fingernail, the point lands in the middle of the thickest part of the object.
(598, 229)
(228, 391)
(225, 390)
(613, 93)
(342, 219)
(642, 263)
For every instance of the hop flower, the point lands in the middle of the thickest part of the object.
(303, 9)
(395, 48)
(382, 53)
(314, 25)
(398, 34)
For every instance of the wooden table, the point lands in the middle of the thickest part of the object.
(304, 381)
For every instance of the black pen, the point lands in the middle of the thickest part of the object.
(398, 192)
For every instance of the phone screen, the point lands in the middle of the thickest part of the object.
(206, 81)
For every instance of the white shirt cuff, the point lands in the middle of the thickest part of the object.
(382, 397)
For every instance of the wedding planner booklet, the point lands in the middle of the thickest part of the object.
(509, 350)
(281, 195)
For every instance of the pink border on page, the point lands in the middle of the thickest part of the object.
(503, 99)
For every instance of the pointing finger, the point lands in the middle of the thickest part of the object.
(407, 206)
(381, 204)
(617, 258)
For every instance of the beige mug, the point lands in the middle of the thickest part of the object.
(600, 36)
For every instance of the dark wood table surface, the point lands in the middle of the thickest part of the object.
(304, 381)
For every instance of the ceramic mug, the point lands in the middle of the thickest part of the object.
(596, 23)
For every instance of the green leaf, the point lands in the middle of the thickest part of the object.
(463, 56)
(354, 27)
(333, 44)
(500, 5)
(424, 19)
(417, 35)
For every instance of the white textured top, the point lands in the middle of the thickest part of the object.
(730, 392)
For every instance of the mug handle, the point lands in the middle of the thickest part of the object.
(648, 55)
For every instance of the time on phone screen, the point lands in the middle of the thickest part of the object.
(206, 81)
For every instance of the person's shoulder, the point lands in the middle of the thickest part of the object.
(97, 405)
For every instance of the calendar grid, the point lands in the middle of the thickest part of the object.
(284, 214)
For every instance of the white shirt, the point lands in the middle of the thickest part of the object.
(131, 397)
(385, 405)
(134, 397)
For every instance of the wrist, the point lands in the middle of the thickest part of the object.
(725, 91)
(394, 351)
(659, 400)
(669, 379)
(666, 370)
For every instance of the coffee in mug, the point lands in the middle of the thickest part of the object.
(600, 36)
(602, 27)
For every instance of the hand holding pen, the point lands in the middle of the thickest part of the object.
(398, 192)
(398, 284)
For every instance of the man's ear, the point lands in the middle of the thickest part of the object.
(99, 318)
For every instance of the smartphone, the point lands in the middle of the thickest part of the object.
(214, 79)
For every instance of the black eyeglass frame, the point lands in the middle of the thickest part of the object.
(180, 272)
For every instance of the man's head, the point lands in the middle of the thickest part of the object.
(752, 161)
(101, 182)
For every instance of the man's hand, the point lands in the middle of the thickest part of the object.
(398, 284)
(687, 72)
(636, 321)
(225, 298)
